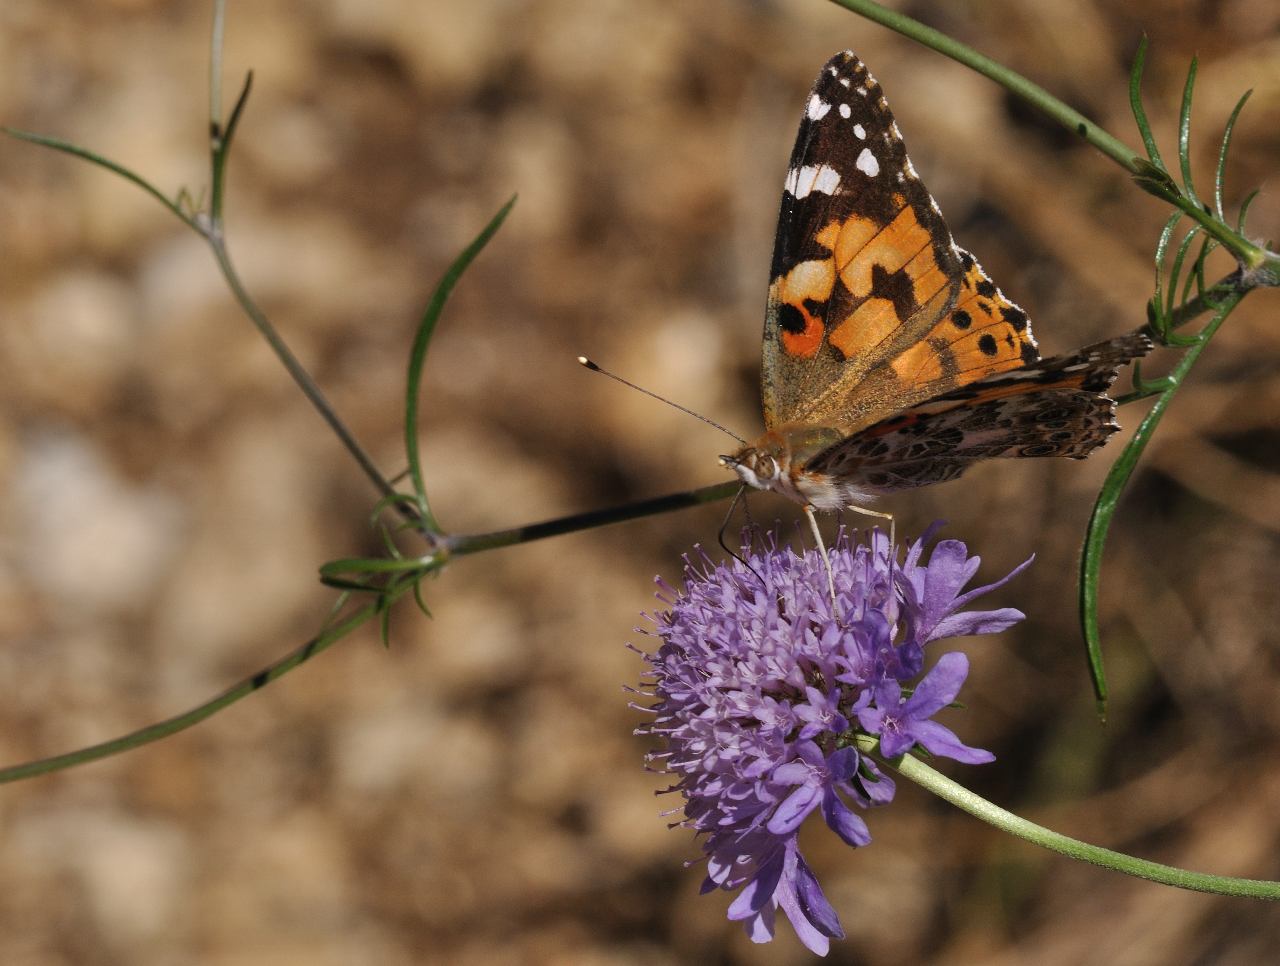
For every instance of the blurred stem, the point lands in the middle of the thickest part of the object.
(1012, 81)
(1113, 487)
(476, 543)
(920, 773)
(181, 722)
(215, 65)
(296, 370)
(212, 230)
(66, 147)
(406, 576)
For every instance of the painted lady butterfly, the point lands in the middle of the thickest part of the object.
(891, 360)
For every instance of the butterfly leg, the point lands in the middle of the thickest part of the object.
(822, 549)
(893, 552)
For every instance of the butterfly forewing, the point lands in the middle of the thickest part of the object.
(872, 308)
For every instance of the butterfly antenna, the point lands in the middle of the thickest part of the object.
(583, 360)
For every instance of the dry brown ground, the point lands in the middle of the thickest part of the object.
(474, 794)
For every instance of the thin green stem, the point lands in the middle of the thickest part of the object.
(1135, 104)
(1210, 300)
(476, 543)
(418, 358)
(300, 376)
(1034, 94)
(1184, 135)
(215, 65)
(219, 151)
(162, 729)
(948, 790)
(1249, 254)
(408, 574)
(85, 154)
(1104, 508)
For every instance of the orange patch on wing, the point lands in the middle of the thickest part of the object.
(1068, 381)
(853, 235)
(867, 325)
(890, 247)
(983, 340)
(918, 365)
(806, 342)
(828, 235)
(927, 275)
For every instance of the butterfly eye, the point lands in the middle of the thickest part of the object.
(766, 467)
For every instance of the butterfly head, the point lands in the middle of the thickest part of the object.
(777, 461)
(781, 461)
(763, 466)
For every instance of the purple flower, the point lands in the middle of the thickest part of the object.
(762, 688)
(901, 724)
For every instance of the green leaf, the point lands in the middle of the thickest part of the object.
(1104, 507)
(1135, 104)
(220, 149)
(378, 565)
(66, 147)
(418, 599)
(1244, 209)
(1175, 274)
(1157, 317)
(1220, 175)
(1184, 135)
(418, 356)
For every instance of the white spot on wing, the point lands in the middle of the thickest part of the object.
(867, 163)
(845, 110)
(801, 182)
(844, 82)
(860, 131)
(817, 108)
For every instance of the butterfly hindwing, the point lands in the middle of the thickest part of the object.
(872, 307)
(1055, 408)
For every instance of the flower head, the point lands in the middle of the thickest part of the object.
(762, 687)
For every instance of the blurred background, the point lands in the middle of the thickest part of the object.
(474, 793)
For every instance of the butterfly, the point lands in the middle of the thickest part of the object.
(891, 360)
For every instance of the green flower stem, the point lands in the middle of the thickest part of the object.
(1034, 94)
(418, 358)
(1250, 255)
(585, 521)
(212, 234)
(181, 722)
(210, 229)
(216, 31)
(920, 773)
(1104, 508)
(296, 370)
(85, 154)
(407, 574)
